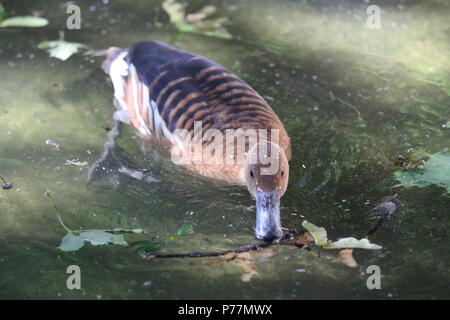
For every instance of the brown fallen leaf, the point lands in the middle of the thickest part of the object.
(346, 257)
(244, 256)
(262, 254)
(246, 266)
(245, 261)
(198, 22)
(304, 239)
(230, 256)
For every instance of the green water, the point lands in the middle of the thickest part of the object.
(352, 100)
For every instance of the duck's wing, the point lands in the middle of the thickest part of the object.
(164, 89)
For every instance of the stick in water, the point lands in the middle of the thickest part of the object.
(248, 248)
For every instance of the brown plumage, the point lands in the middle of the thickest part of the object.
(169, 95)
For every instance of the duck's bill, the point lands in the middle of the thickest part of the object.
(268, 227)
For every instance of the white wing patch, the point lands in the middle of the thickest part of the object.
(161, 130)
(159, 125)
(118, 71)
(154, 125)
(143, 129)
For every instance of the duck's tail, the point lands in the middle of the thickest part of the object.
(117, 67)
(132, 95)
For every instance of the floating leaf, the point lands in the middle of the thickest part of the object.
(353, 243)
(71, 242)
(122, 230)
(436, 170)
(61, 49)
(197, 22)
(100, 237)
(319, 234)
(204, 13)
(320, 237)
(75, 240)
(175, 11)
(214, 28)
(183, 231)
(304, 239)
(26, 21)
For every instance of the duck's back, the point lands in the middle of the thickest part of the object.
(164, 89)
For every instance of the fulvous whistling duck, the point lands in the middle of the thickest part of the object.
(181, 101)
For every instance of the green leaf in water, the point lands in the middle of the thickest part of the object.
(321, 239)
(71, 242)
(75, 240)
(61, 49)
(319, 234)
(122, 230)
(175, 11)
(436, 170)
(26, 21)
(185, 230)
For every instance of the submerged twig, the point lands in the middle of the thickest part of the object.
(49, 195)
(373, 72)
(351, 106)
(303, 239)
(292, 238)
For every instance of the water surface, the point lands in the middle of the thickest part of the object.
(352, 100)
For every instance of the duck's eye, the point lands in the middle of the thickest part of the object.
(282, 173)
(251, 173)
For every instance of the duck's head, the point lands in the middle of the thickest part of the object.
(266, 176)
